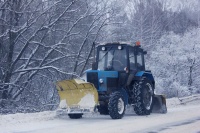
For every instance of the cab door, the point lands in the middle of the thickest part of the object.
(140, 60)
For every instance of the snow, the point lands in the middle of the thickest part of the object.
(87, 101)
(63, 104)
(183, 116)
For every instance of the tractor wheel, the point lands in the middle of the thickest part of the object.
(143, 96)
(75, 116)
(103, 110)
(116, 105)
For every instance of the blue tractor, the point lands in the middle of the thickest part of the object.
(119, 78)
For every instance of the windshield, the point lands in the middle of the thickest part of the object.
(112, 59)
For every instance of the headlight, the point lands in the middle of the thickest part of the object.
(120, 47)
(101, 81)
(103, 48)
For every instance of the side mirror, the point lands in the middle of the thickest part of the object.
(144, 52)
(94, 66)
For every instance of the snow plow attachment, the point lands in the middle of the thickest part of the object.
(159, 105)
(78, 96)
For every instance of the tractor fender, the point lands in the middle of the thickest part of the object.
(125, 95)
(146, 74)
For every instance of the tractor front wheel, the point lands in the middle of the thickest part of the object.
(143, 96)
(116, 105)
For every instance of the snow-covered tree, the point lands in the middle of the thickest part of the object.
(41, 42)
(174, 62)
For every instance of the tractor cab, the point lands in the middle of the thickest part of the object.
(120, 57)
(116, 66)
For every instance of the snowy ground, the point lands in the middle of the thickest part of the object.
(183, 116)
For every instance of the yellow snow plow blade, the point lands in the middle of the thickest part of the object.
(159, 104)
(80, 96)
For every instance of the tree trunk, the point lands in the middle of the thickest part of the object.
(13, 22)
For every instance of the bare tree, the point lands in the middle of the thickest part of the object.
(44, 41)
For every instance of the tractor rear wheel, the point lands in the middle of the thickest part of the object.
(75, 116)
(116, 105)
(143, 96)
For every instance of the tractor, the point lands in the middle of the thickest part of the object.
(118, 78)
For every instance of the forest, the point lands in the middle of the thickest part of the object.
(43, 41)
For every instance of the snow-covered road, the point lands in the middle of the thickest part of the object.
(180, 118)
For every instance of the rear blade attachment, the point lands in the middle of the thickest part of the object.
(159, 104)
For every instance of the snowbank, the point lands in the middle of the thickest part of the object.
(190, 100)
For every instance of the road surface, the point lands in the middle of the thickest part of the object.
(180, 118)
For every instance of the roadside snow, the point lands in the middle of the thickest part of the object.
(190, 100)
(19, 118)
